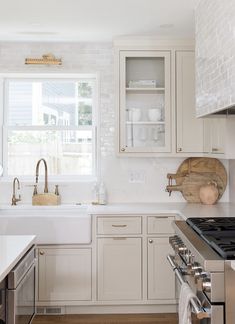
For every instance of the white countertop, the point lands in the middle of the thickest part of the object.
(12, 249)
(185, 210)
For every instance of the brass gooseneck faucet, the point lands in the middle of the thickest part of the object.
(46, 177)
(14, 200)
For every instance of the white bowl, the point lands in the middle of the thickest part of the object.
(155, 114)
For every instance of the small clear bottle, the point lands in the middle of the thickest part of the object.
(95, 194)
(102, 194)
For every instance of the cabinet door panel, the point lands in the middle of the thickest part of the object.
(119, 269)
(64, 274)
(145, 103)
(189, 128)
(214, 135)
(161, 278)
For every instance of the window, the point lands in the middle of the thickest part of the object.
(51, 118)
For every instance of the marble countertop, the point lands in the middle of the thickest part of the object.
(185, 210)
(12, 249)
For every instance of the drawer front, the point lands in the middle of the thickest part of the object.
(161, 224)
(119, 225)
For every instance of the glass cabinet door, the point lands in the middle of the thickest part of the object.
(145, 102)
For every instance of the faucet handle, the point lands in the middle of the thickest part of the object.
(35, 190)
(57, 190)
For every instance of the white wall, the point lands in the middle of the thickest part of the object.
(93, 58)
(232, 181)
(215, 58)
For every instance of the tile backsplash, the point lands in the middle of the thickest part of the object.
(116, 172)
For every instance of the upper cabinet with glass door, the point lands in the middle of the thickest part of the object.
(144, 102)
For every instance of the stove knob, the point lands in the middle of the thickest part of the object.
(197, 269)
(174, 240)
(206, 285)
(180, 247)
(190, 258)
(199, 279)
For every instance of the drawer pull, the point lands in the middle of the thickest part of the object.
(121, 225)
(41, 252)
(150, 241)
(163, 217)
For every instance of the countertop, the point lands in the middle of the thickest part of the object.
(185, 210)
(12, 249)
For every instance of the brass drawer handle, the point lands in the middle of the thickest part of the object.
(121, 225)
(163, 217)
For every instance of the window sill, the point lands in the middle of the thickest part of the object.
(51, 179)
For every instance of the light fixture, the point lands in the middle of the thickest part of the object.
(47, 59)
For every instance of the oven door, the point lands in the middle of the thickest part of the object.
(21, 301)
(203, 312)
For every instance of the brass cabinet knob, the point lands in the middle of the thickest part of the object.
(41, 252)
(179, 149)
(150, 241)
(214, 149)
(123, 149)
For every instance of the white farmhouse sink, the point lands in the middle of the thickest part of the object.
(51, 225)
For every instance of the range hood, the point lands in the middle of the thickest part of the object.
(215, 60)
(230, 111)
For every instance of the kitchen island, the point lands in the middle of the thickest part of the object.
(12, 249)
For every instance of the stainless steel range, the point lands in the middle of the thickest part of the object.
(204, 249)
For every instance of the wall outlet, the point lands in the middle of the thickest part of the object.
(137, 176)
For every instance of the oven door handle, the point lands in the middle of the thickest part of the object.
(197, 307)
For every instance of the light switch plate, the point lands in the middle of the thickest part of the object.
(137, 176)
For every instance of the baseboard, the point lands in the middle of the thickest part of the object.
(114, 309)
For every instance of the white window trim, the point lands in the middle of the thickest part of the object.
(95, 126)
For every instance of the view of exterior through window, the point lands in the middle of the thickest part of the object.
(51, 119)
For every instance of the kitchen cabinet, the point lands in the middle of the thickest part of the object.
(119, 268)
(161, 279)
(214, 135)
(189, 129)
(129, 270)
(119, 265)
(144, 101)
(64, 274)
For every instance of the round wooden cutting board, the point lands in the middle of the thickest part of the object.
(193, 173)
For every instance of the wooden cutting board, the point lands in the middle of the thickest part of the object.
(194, 173)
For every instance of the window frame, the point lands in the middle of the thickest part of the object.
(4, 113)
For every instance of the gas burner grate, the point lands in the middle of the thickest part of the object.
(223, 245)
(219, 225)
(218, 232)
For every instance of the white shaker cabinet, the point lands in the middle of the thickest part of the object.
(119, 268)
(144, 101)
(161, 281)
(189, 129)
(161, 278)
(64, 274)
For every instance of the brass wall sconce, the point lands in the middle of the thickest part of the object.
(47, 59)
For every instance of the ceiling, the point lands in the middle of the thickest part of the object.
(94, 20)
